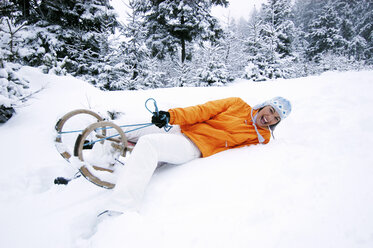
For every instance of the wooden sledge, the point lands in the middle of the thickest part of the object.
(106, 135)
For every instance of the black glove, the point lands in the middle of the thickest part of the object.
(161, 119)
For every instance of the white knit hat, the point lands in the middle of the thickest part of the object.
(280, 104)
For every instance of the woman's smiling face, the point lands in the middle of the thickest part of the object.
(267, 116)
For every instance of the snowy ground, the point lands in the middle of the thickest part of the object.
(310, 187)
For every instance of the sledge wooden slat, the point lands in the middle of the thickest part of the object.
(66, 155)
(92, 178)
(102, 169)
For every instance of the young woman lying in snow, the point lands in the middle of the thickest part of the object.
(200, 131)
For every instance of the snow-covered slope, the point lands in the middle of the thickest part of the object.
(310, 187)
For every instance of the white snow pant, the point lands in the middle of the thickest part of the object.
(153, 146)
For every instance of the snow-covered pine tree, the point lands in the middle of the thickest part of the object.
(254, 47)
(353, 44)
(271, 53)
(71, 32)
(85, 26)
(304, 11)
(242, 26)
(12, 87)
(232, 52)
(174, 24)
(345, 10)
(11, 39)
(8, 9)
(331, 33)
(210, 68)
(324, 35)
(279, 27)
(127, 67)
(364, 9)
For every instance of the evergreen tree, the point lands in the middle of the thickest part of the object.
(324, 35)
(74, 32)
(231, 53)
(305, 11)
(12, 86)
(270, 44)
(85, 26)
(172, 23)
(346, 10)
(254, 48)
(8, 9)
(365, 28)
(210, 68)
(127, 63)
(279, 28)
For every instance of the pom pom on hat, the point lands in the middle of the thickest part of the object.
(280, 104)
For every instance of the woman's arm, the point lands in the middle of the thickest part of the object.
(202, 112)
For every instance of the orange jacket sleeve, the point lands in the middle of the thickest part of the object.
(202, 112)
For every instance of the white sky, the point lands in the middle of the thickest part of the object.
(237, 9)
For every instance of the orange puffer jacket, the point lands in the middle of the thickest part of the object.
(219, 125)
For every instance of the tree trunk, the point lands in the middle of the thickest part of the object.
(25, 6)
(183, 52)
(182, 41)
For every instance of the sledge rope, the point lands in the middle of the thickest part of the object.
(167, 127)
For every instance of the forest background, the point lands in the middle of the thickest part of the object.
(179, 43)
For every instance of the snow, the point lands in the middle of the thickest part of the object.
(7, 102)
(309, 187)
(3, 73)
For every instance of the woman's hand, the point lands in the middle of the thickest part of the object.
(161, 119)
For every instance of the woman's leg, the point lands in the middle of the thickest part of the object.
(140, 166)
